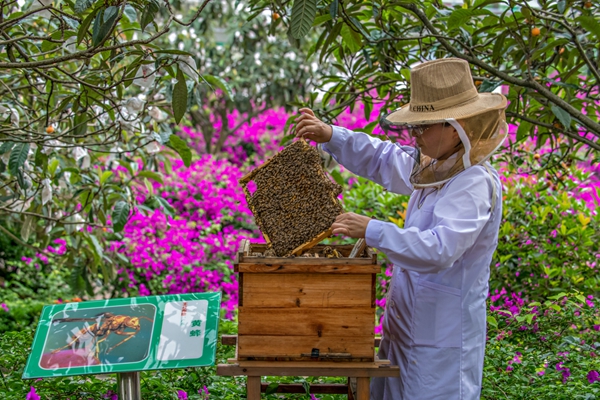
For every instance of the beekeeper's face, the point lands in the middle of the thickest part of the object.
(438, 141)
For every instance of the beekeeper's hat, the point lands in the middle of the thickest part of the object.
(443, 91)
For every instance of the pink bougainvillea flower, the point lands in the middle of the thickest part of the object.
(593, 376)
(110, 395)
(32, 395)
(182, 395)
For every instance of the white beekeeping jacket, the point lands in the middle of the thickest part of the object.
(435, 320)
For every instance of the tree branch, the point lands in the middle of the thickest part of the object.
(532, 84)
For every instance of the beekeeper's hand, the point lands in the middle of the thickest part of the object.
(310, 127)
(351, 224)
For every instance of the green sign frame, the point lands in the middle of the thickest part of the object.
(125, 335)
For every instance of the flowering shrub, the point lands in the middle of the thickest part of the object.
(189, 245)
(549, 240)
(545, 349)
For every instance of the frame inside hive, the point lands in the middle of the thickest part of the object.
(294, 203)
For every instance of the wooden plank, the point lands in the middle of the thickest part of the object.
(294, 346)
(312, 364)
(240, 290)
(313, 242)
(373, 290)
(345, 250)
(307, 290)
(317, 322)
(284, 368)
(253, 388)
(315, 388)
(362, 388)
(231, 340)
(306, 261)
(309, 268)
(358, 248)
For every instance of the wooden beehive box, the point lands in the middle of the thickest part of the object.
(306, 308)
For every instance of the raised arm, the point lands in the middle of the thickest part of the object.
(382, 162)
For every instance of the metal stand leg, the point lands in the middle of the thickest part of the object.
(128, 384)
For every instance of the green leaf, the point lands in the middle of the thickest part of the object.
(459, 17)
(80, 124)
(120, 215)
(155, 176)
(85, 25)
(149, 14)
(52, 166)
(105, 176)
(76, 280)
(41, 159)
(96, 247)
(182, 149)
(351, 39)
(26, 228)
(524, 130)
(103, 24)
(180, 97)
(18, 156)
(337, 177)
(130, 13)
(590, 24)
(562, 6)
(6, 147)
(322, 19)
(166, 206)
(306, 387)
(272, 388)
(492, 321)
(82, 5)
(333, 9)
(489, 86)
(220, 83)
(303, 15)
(562, 115)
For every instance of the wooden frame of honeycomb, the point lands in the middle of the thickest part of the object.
(294, 203)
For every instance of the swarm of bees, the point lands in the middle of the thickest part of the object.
(294, 203)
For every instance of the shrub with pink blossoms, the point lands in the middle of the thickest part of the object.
(545, 349)
(193, 249)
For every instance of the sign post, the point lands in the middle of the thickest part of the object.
(128, 384)
(125, 336)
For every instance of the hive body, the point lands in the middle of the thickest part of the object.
(294, 202)
(289, 307)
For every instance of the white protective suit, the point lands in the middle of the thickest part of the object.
(435, 319)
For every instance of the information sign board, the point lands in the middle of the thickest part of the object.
(125, 335)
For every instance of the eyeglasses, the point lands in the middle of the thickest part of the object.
(420, 129)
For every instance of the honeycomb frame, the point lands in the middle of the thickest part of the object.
(279, 210)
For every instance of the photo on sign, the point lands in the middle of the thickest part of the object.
(98, 336)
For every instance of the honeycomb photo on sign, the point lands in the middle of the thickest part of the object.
(294, 202)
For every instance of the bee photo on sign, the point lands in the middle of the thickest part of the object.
(98, 336)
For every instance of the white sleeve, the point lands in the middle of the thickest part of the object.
(458, 218)
(382, 162)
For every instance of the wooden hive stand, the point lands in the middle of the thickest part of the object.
(306, 316)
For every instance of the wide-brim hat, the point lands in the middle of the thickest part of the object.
(443, 89)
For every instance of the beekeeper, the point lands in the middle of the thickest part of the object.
(435, 319)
